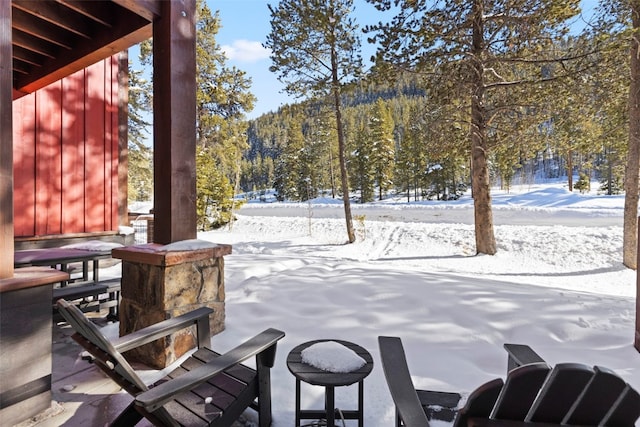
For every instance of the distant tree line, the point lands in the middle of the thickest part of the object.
(573, 128)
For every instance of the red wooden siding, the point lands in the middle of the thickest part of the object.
(24, 159)
(66, 155)
(48, 173)
(73, 126)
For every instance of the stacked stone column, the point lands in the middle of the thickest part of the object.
(159, 283)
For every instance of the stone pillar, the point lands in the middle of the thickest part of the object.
(164, 281)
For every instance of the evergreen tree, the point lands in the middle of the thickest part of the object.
(292, 173)
(411, 162)
(140, 159)
(382, 146)
(323, 152)
(404, 177)
(361, 166)
(315, 51)
(214, 205)
(467, 46)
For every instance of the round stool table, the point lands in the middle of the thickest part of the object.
(329, 380)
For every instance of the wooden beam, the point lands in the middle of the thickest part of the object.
(44, 30)
(81, 57)
(33, 44)
(174, 123)
(55, 14)
(27, 56)
(148, 9)
(6, 144)
(92, 10)
(123, 139)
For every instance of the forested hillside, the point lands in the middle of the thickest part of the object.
(407, 135)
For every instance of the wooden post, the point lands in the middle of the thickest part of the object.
(6, 143)
(123, 138)
(174, 122)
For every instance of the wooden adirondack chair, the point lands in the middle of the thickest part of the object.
(179, 398)
(532, 395)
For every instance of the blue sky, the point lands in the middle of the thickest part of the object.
(245, 25)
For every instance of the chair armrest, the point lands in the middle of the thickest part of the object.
(151, 333)
(520, 354)
(403, 392)
(161, 394)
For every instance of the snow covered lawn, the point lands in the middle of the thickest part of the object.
(561, 289)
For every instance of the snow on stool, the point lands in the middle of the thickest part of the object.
(332, 356)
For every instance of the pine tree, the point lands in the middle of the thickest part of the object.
(291, 179)
(411, 161)
(315, 52)
(214, 204)
(361, 166)
(323, 151)
(382, 146)
(140, 159)
(468, 45)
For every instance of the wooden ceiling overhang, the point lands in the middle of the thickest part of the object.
(52, 39)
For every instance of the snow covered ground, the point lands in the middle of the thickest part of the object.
(557, 284)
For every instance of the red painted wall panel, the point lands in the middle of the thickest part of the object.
(73, 200)
(95, 106)
(115, 144)
(66, 155)
(48, 160)
(116, 103)
(111, 122)
(24, 163)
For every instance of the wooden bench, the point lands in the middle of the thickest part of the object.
(90, 297)
(181, 398)
(532, 395)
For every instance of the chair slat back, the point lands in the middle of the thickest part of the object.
(83, 326)
(625, 411)
(563, 386)
(480, 402)
(396, 371)
(598, 397)
(520, 390)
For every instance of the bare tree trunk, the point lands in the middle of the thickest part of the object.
(236, 186)
(630, 228)
(332, 173)
(341, 146)
(483, 215)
